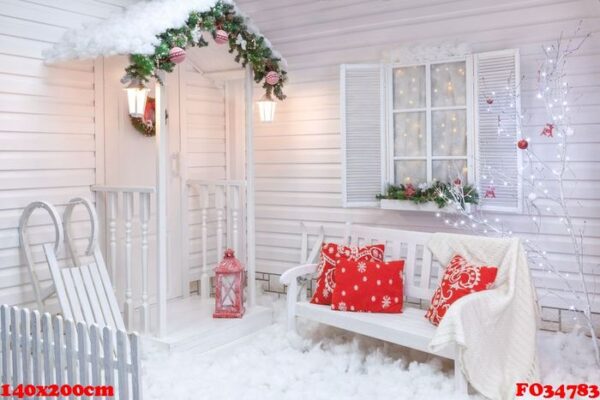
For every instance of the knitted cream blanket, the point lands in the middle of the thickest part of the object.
(494, 330)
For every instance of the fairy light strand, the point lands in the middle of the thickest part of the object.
(541, 203)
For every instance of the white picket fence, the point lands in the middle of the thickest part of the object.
(47, 350)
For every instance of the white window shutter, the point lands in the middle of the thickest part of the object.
(498, 160)
(363, 123)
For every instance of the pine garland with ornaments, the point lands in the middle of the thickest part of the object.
(224, 25)
(545, 185)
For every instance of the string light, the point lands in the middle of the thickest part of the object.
(552, 92)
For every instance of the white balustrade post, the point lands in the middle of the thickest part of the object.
(112, 235)
(250, 200)
(161, 206)
(220, 206)
(127, 215)
(204, 279)
(144, 218)
(235, 206)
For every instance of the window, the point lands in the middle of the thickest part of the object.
(436, 120)
(431, 130)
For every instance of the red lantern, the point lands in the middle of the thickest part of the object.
(229, 287)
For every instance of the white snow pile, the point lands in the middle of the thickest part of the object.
(329, 364)
(131, 31)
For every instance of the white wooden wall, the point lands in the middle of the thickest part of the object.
(298, 156)
(204, 140)
(51, 133)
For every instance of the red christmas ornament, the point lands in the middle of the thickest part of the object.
(489, 100)
(272, 78)
(457, 182)
(522, 144)
(229, 287)
(490, 193)
(409, 190)
(177, 55)
(548, 130)
(221, 37)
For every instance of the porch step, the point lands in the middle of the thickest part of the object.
(191, 327)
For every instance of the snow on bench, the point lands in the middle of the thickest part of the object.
(410, 328)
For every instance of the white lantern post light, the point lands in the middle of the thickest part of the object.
(137, 93)
(266, 108)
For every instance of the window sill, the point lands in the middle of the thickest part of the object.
(407, 205)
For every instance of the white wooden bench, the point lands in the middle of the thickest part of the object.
(409, 329)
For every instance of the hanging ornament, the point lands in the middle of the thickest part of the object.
(409, 190)
(489, 100)
(490, 193)
(177, 55)
(548, 130)
(458, 182)
(221, 37)
(272, 78)
(523, 144)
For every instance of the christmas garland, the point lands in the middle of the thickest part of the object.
(225, 26)
(438, 192)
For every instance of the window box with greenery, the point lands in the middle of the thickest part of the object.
(438, 196)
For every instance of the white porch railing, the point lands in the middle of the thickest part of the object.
(120, 205)
(42, 350)
(217, 205)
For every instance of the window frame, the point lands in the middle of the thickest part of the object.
(429, 158)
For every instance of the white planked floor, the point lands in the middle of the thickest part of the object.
(190, 326)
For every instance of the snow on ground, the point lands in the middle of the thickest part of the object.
(327, 363)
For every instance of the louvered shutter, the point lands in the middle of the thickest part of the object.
(363, 122)
(498, 159)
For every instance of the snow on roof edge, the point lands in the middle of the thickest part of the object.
(134, 30)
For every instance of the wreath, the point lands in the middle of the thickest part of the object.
(146, 124)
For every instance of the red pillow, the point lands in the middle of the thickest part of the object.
(330, 254)
(460, 279)
(368, 286)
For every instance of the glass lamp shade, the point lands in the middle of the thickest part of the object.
(266, 108)
(137, 94)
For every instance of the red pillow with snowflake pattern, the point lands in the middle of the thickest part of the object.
(331, 253)
(368, 286)
(459, 280)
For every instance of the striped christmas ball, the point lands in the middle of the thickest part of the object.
(221, 37)
(272, 78)
(177, 55)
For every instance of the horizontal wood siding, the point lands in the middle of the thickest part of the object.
(47, 127)
(298, 156)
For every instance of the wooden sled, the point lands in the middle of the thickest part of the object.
(84, 291)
